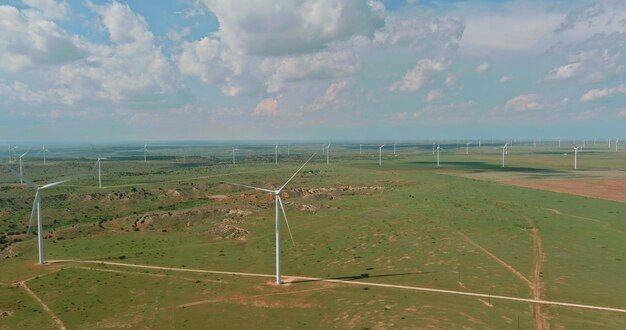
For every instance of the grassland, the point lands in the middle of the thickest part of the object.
(458, 227)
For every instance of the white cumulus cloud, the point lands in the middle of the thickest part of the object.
(483, 67)
(525, 102)
(597, 94)
(419, 75)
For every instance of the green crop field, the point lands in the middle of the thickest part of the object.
(370, 242)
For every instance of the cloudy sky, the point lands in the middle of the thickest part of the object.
(311, 69)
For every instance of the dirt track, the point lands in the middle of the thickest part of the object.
(45, 307)
(359, 283)
(609, 189)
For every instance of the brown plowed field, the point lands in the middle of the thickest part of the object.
(609, 189)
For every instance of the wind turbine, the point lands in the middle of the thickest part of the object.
(360, 149)
(479, 144)
(99, 171)
(21, 178)
(279, 207)
(44, 150)
(394, 149)
(12, 149)
(576, 156)
(433, 148)
(234, 155)
(438, 149)
(616, 143)
(327, 154)
(380, 155)
(37, 207)
(467, 148)
(504, 150)
(145, 153)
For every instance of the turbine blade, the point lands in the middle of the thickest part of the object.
(251, 187)
(283, 186)
(52, 184)
(280, 201)
(28, 182)
(32, 213)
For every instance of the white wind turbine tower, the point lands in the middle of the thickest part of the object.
(37, 207)
(360, 149)
(21, 178)
(433, 148)
(99, 171)
(504, 151)
(479, 144)
(438, 149)
(44, 150)
(576, 157)
(145, 153)
(279, 207)
(327, 154)
(12, 149)
(234, 149)
(9, 154)
(380, 155)
(394, 149)
(616, 143)
(467, 148)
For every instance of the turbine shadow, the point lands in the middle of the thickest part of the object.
(360, 277)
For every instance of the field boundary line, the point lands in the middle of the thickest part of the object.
(45, 307)
(360, 283)
(494, 257)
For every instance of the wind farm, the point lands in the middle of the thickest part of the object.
(379, 164)
(209, 229)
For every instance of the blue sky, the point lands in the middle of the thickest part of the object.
(315, 69)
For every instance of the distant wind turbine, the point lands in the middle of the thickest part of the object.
(328, 154)
(438, 149)
(22, 156)
(37, 207)
(380, 155)
(234, 155)
(145, 153)
(44, 150)
(394, 149)
(99, 171)
(504, 150)
(616, 143)
(576, 157)
(360, 149)
(467, 148)
(279, 207)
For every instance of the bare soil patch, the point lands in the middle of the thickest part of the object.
(609, 189)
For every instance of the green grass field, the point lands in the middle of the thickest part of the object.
(456, 227)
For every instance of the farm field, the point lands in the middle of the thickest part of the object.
(170, 243)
